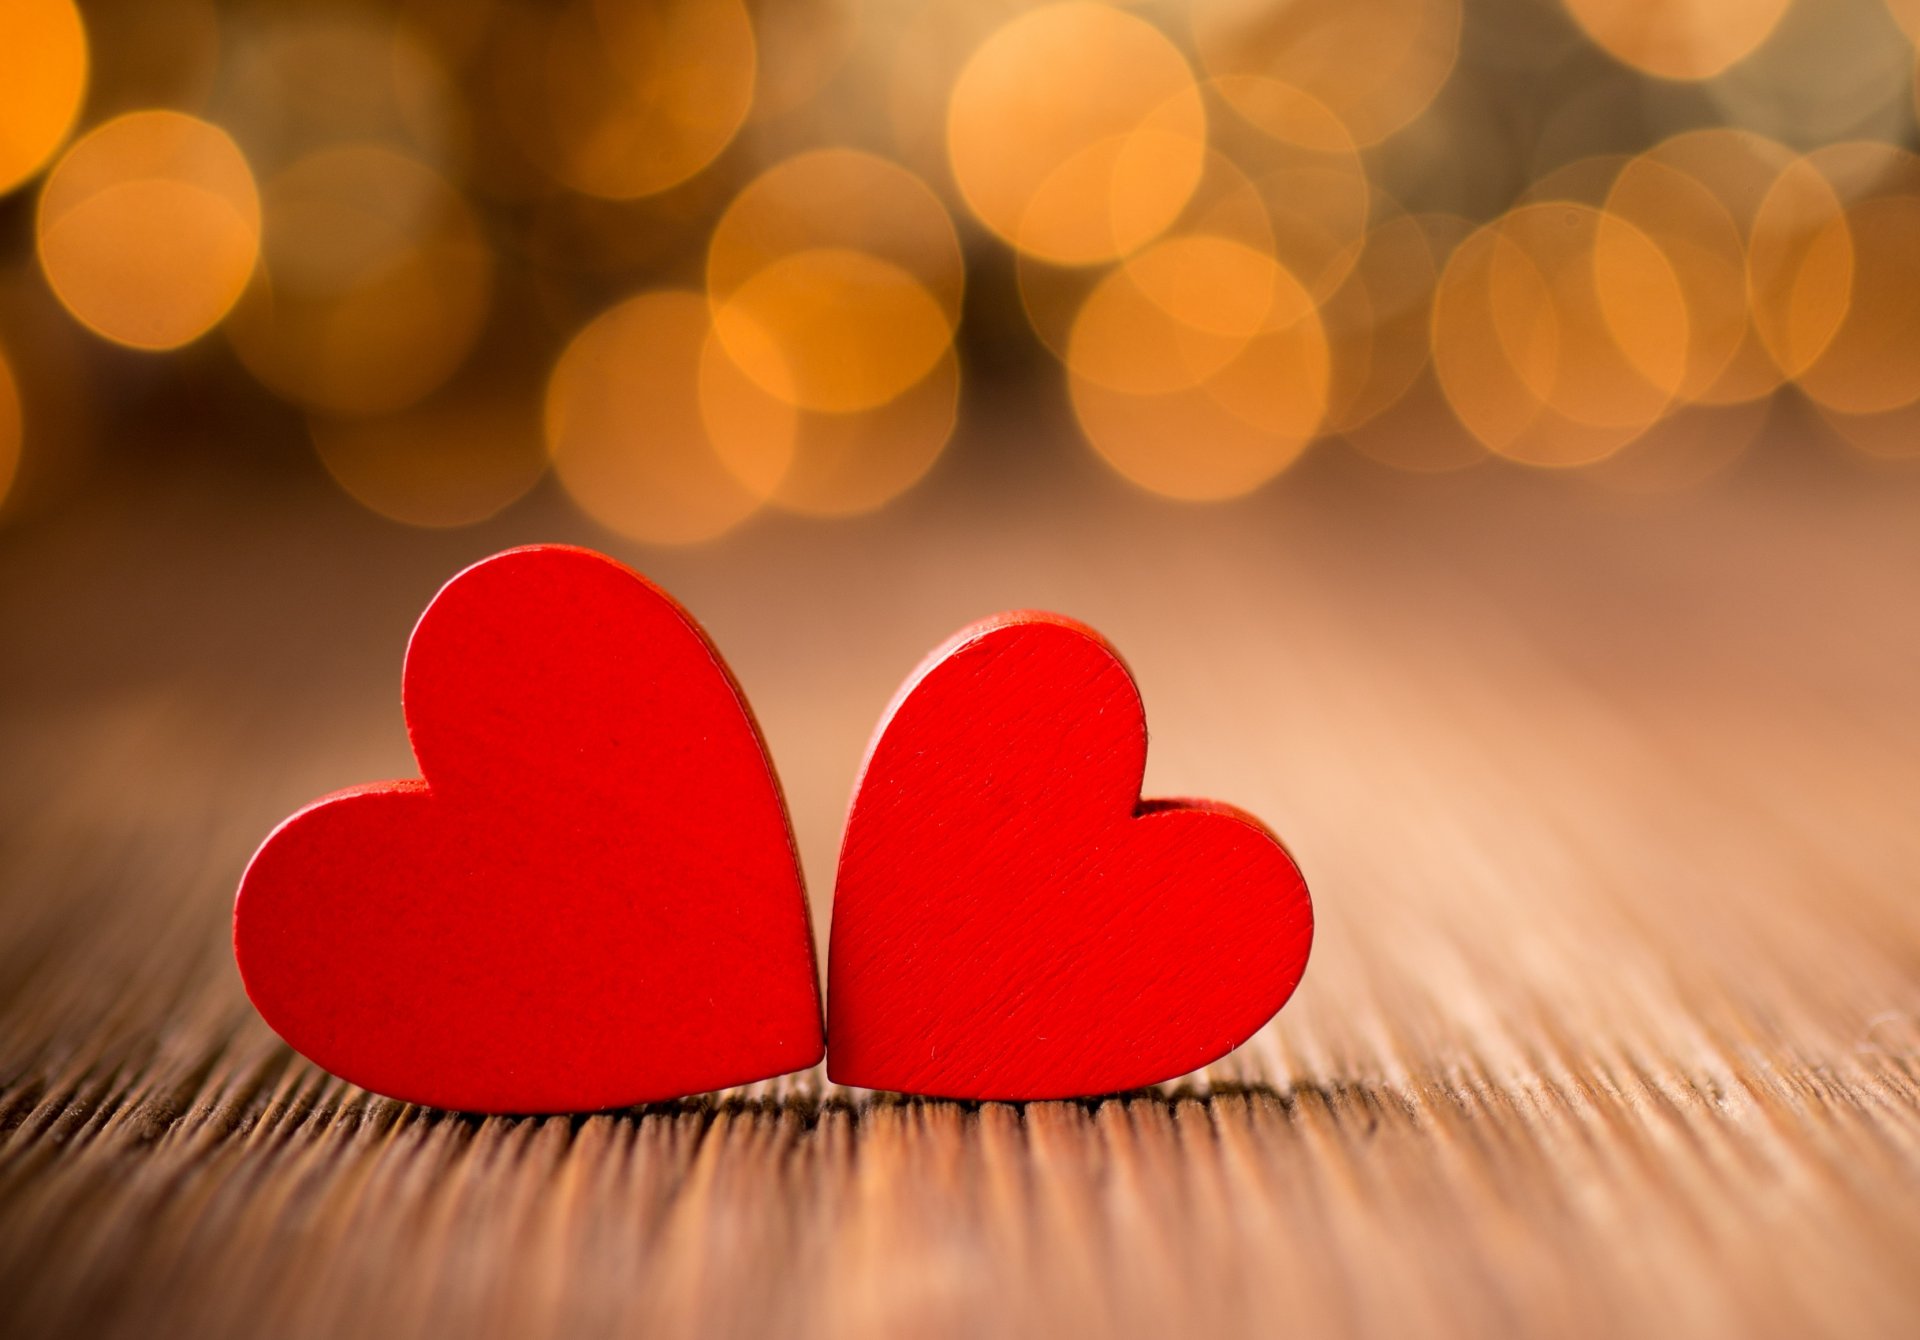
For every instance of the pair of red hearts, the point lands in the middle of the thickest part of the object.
(592, 899)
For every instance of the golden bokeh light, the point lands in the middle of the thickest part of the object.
(1699, 237)
(1559, 334)
(1076, 133)
(1285, 113)
(1679, 39)
(458, 457)
(838, 198)
(915, 53)
(1226, 204)
(1174, 315)
(824, 464)
(1375, 64)
(1313, 186)
(43, 77)
(148, 228)
(373, 283)
(1238, 225)
(1199, 369)
(627, 432)
(1473, 312)
(1799, 266)
(12, 429)
(836, 278)
(1626, 367)
(835, 329)
(1737, 169)
(1872, 363)
(636, 98)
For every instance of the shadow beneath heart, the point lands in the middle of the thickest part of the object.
(804, 1112)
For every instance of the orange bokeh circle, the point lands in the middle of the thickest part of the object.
(149, 227)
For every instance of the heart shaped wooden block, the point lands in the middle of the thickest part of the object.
(1012, 921)
(591, 900)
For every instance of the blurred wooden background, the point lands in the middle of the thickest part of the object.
(1611, 808)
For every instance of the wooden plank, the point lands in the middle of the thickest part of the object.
(1613, 1022)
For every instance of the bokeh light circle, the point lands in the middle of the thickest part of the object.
(1560, 333)
(1800, 266)
(148, 228)
(627, 432)
(824, 464)
(838, 330)
(1076, 132)
(373, 284)
(1736, 168)
(636, 98)
(1872, 363)
(43, 78)
(1199, 369)
(1679, 39)
(1226, 204)
(1375, 64)
(838, 198)
(1174, 315)
(836, 278)
(1699, 237)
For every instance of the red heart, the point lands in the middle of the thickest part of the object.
(591, 900)
(1011, 921)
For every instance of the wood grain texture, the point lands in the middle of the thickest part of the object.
(592, 899)
(1011, 921)
(1609, 808)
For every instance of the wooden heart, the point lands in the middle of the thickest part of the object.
(1011, 920)
(591, 900)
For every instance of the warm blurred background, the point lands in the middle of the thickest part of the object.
(1490, 428)
(698, 258)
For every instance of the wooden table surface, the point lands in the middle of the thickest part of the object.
(1611, 810)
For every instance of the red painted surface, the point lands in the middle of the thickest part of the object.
(591, 900)
(1012, 921)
